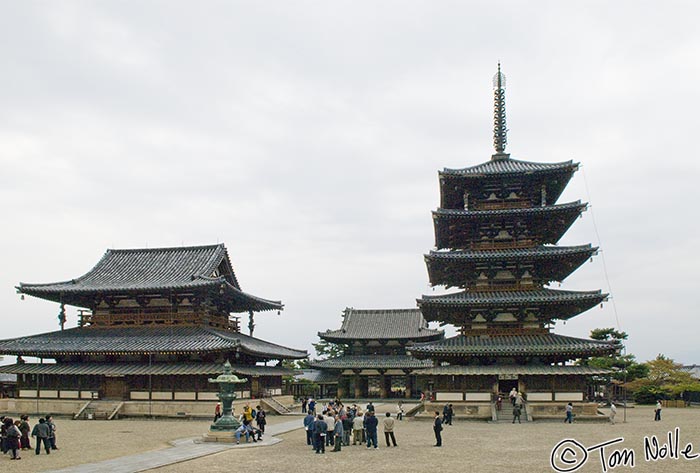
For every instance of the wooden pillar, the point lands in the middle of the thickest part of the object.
(340, 394)
(408, 383)
(358, 386)
(254, 386)
(382, 384)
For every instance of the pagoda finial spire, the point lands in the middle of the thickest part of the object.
(499, 115)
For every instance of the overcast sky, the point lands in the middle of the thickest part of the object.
(307, 137)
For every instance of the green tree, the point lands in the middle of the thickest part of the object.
(665, 379)
(326, 349)
(624, 367)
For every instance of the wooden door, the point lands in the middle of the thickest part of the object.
(115, 387)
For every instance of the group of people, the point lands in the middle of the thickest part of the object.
(517, 401)
(14, 435)
(333, 426)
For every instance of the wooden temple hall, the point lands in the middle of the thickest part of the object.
(155, 324)
(374, 362)
(496, 243)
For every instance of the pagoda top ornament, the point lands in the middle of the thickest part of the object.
(499, 115)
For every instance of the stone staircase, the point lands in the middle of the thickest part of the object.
(274, 405)
(104, 410)
(506, 413)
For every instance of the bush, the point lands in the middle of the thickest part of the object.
(650, 394)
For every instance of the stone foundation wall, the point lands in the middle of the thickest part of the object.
(462, 409)
(199, 409)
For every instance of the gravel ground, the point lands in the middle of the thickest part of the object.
(471, 446)
(87, 441)
(468, 446)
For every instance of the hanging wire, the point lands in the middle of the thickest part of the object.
(602, 253)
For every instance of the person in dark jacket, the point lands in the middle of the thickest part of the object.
(25, 428)
(52, 432)
(41, 432)
(371, 424)
(437, 429)
(320, 431)
(347, 429)
(338, 432)
(260, 418)
(13, 434)
(309, 428)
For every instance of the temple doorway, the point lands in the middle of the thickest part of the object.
(505, 386)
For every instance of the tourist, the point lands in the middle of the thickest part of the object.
(312, 406)
(370, 407)
(329, 418)
(657, 410)
(243, 429)
(260, 418)
(52, 432)
(613, 412)
(13, 434)
(519, 400)
(388, 424)
(358, 429)
(303, 406)
(41, 432)
(513, 395)
(25, 428)
(516, 413)
(450, 414)
(569, 413)
(338, 433)
(217, 412)
(399, 410)
(437, 429)
(499, 402)
(347, 429)
(247, 413)
(371, 424)
(444, 413)
(3, 435)
(309, 427)
(320, 431)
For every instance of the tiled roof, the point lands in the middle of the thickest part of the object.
(140, 340)
(513, 345)
(514, 298)
(382, 324)
(510, 166)
(538, 252)
(371, 362)
(154, 270)
(135, 369)
(481, 214)
(490, 370)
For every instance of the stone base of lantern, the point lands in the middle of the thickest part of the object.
(220, 436)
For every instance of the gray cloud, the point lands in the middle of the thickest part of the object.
(307, 136)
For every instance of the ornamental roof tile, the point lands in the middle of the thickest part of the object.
(371, 362)
(490, 370)
(154, 270)
(512, 345)
(510, 166)
(382, 324)
(135, 369)
(143, 339)
(517, 298)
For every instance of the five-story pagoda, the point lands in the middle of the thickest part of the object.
(496, 235)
